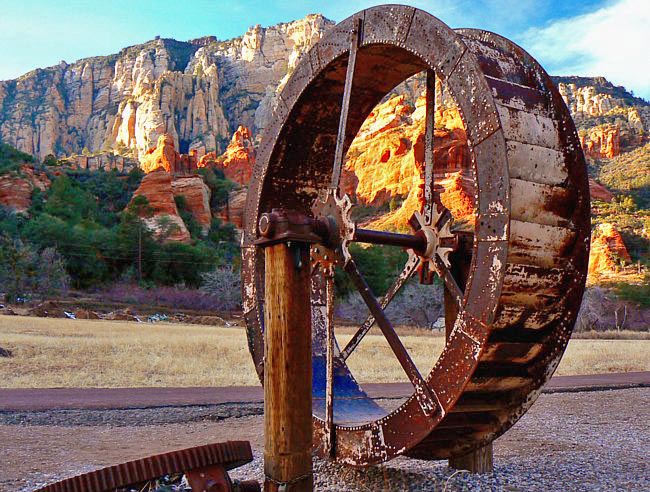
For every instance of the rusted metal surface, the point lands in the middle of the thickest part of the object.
(355, 35)
(206, 466)
(513, 286)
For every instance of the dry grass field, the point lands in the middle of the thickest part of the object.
(80, 353)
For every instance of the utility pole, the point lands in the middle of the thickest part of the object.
(139, 250)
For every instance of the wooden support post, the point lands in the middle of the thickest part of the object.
(477, 461)
(481, 459)
(287, 369)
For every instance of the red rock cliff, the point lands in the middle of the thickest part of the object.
(385, 162)
(607, 250)
(602, 142)
(197, 197)
(164, 156)
(238, 160)
(16, 189)
(162, 218)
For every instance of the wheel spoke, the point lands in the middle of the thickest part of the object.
(407, 273)
(422, 391)
(450, 282)
(429, 121)
(343, 120)
(329, 386)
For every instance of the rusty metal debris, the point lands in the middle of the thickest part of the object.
(205, 468)
(513, 285)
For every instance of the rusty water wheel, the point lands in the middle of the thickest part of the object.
(511, 309)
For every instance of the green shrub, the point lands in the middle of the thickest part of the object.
(12, 158)
(638, 294)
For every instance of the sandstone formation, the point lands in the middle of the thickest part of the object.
(594, 102)
(607, 250)
(385, 162)
(162, 217)
(195, 91)
(601, 142)
(589, 97)
(164, 156)
(599, 192)
(233, 211)
(197, 198)
(106, 161)
(238, 160)
(16, 188)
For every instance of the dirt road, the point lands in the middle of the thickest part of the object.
(116, 398)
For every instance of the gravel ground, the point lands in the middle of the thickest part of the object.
(588, 441)
(138, 417)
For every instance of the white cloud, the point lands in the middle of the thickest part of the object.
(613, 41)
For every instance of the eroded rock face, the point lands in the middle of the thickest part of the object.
(385, 163)
(602, 142)
(197, 197)
(596, 106)
(607, 250)
(162, 218)
(233, 211)
(599, 192)
(195, 91)
(164, 156)
(107, 162)
(16, 189)
(238, 160)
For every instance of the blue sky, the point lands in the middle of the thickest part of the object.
(589, 37)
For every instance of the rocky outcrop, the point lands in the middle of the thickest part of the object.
(16, 188)
(256, 66)
(588, 97)
(238, 160)
(197, 198)
(164, 156)
(107, 162)
(601, 142)
(596, 103)
(607, 250)
(195, 91)
(599, 192)
(161, 217)
(385, 162)
(233, 211)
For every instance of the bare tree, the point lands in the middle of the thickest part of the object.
(224, 284)
(593, 311)
(415, 305)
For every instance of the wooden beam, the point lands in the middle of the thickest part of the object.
(477, 461)
(287, 369)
